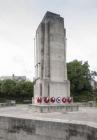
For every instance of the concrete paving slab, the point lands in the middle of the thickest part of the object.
(85, 115)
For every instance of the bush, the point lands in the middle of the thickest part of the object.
(16, 90)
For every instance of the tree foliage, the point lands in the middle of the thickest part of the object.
(18, 90)
(7, 88)
(93, 74)
(79, 76)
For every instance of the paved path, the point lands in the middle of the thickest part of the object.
(86, 116)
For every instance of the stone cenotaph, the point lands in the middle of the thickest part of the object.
(52, 88)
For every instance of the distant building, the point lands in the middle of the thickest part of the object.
(94, 84)
(13, 77)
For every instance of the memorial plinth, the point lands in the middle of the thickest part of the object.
(52, 88)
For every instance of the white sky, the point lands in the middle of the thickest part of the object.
(19, 20)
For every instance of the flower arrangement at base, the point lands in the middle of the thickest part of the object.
(64, 100)
(58, 100)
(39, 99)
(46, 99)
(52, 99)
(69, 100)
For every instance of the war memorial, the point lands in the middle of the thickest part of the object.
(52, 88)
(52, 115)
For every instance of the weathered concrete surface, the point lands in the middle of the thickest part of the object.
(19, 123)
(44, 108)
(50, 58)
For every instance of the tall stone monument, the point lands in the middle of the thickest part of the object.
(51, 83)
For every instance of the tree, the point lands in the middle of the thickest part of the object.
(17, 90)
(93, 74)
(80, 77)
(24, 89)
(0, 88)
(8, 88)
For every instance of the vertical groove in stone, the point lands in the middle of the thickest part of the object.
(42, 49)
(49, 57)
(48, 90)
(46, 52)
(40, 89)
(36, 57)
(49, 49)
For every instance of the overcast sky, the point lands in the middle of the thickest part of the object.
(19, 20)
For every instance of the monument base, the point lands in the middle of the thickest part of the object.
(54, 108)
